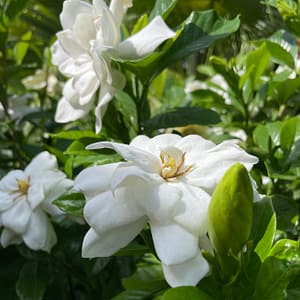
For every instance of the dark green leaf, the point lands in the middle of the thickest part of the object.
(263, 227)
(71, 203)
(261, 137)
(287, 133)
(278, 270)
(183, 116)
(162, 8)
(185, 292)
(32, 281)
(126, 106)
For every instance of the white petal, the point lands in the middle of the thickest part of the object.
(59, 56)
(17, 217)
(188, 273)
(8, 237)
(119, 9)
(9, 182)
(110, 242)
(144, 159)
(194, 216)
(77, 66)
(69, 43)
(173, 244)
(85, 31)
(140, 141)
(71, 9)
(35, 194)
(40, 234)
(6, 200)
(95, 180)
(145, 41)
(106, 212)
(214, 162)
(86, 85)
(42, 162)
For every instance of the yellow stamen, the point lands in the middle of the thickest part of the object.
(23, 186)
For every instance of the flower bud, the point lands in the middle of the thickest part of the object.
(230, 217)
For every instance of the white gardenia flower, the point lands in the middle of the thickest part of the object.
(25, 202)
(90, 39)
(166, 181)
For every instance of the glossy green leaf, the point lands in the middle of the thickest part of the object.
(257, 61)
(22, 47)
(76, 135)
(199, 31)
(185, 292)
(263, 227)
(278, 270)
(261, 137)
(126, 106)
(183, 116)
(71, 203)
(162, 8)
(32, 281)
(287, 133)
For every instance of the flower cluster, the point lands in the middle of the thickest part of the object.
(25, 202)
(165, 181)
(84, 51)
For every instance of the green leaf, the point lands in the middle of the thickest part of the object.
(145, 282)
(185, 292)
(162, 8)
(287, 133)
(76, 135)
(278, 270)
(263, 227)
(133, 249)
(183, 116)
(14, 7)
(71, 203)
(21, 47)
(126, 106)
(256, 62)
(261, 137)
(198, 32)
(32, 281)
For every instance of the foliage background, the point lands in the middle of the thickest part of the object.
(258, 64)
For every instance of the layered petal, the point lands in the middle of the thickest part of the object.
(106, 212)
(119, 9)
(145, 41)
(9, 237)
(109, 242)
(40, 234)
(17, 217)
(144, 159)
(41, 163)
(187, 273)
(173, 244)
(71, 9)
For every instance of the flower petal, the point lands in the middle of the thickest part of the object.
(59, 56)
(42, 162)
(144, 159)
(106, 212)
(9, 237)
(173, 244)
(119, 9)
(145, 41)
(17, 217)
(40, 234)
(214, 162)
(108, 243)
(95, 180)
(71, 9)
(187, 273)
(194, 216)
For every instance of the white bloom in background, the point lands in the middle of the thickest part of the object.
(25, 201)
(90, 39)
(167, 182)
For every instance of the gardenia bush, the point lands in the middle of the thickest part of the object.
(145, 155)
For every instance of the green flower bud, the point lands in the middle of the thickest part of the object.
(230, 217)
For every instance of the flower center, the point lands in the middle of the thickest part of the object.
(172, 163)
(23, 186)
